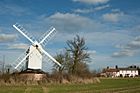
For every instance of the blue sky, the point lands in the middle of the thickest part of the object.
(111, 28)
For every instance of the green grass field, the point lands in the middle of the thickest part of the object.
(126, 85)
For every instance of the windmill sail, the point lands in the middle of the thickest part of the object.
(24, 32)
(47, 54)
(35, 53)
(19, 60)
(47, 36)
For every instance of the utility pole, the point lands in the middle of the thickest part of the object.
(3, 64)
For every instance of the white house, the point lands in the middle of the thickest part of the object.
(121, 72)
(127, 72)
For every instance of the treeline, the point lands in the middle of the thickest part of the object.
(74, 68)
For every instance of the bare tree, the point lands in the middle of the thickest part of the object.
(63, 59)
(60, 59)
(78, 52)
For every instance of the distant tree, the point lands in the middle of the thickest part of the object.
(78, 53)
(8, 68)
(63, 59)
(60, 59)
(107, 67)
(116, 66)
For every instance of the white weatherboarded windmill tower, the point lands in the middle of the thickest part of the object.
(33, 56)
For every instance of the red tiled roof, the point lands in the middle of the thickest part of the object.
(111, 70)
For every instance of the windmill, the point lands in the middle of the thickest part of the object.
(32, 57)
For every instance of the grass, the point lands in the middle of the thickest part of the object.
(21, 89)
(11, 89)
(126, 85)
(120, 85)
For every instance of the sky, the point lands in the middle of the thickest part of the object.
(111, 29)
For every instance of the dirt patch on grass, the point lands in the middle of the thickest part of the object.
(45, 89)
(27, 90)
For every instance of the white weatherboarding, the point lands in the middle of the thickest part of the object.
(33, 56)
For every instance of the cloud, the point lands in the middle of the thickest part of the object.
(95, 33)
(135, 44)
(136, 28)
(0, 29)
(84, 10)
(130, 49)
(102, 7)
(92, 53)
(94, 40)
(106, 38)
(92, 9)
(68, 22)
(92, 1)
(7, 37)
(100, 61)
(115, 10)
(113, 17)
(18, 46)
(12, 9)
(123, 53)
